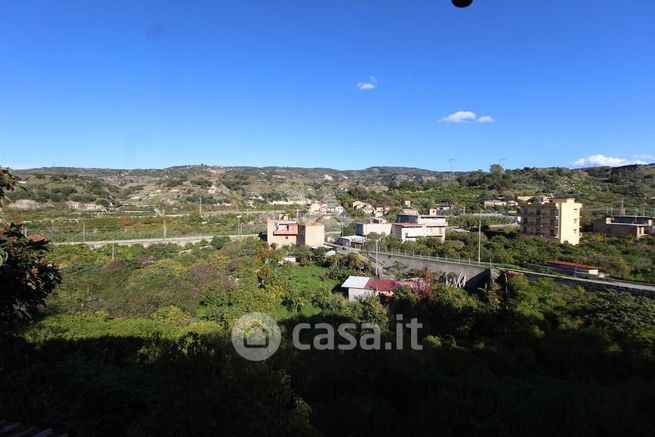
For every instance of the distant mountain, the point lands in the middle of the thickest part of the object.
(235, 185)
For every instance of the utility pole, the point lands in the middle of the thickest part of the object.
(622, 208)
(83, 231)
(164, 214)
(479, 238)
(113, 252)
(200, 206)
(376, 258)
(238, 225)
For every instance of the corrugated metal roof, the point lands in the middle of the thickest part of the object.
(391, 284)
(355, 282)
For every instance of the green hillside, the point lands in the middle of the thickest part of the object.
(234, 186)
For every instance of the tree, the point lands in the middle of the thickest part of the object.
(26, 275)
(7, 182)
(495, 169)
(219, 241)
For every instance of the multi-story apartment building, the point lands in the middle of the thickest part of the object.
(556, 220)
(287, 232)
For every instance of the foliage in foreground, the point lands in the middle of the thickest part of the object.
(27, 277)
(141, 346)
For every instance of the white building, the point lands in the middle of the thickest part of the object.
(375, 226)
(413, 226)
(356, 288)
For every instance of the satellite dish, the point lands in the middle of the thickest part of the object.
(462, 3)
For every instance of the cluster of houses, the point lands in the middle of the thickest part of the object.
(409, 226)
(317, 208)
(378, 211)
(367, 208)
(492, 203)
(552, 219)
(502, 202)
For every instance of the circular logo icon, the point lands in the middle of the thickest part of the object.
(256, 336)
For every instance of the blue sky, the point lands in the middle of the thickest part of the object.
(343, 83)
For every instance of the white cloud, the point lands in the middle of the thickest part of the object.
(608, 161)
(367, 86)
(459, 117)
(465, 116)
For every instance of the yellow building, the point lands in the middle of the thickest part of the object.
(556, 220)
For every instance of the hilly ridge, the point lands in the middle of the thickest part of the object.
(217, 185)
